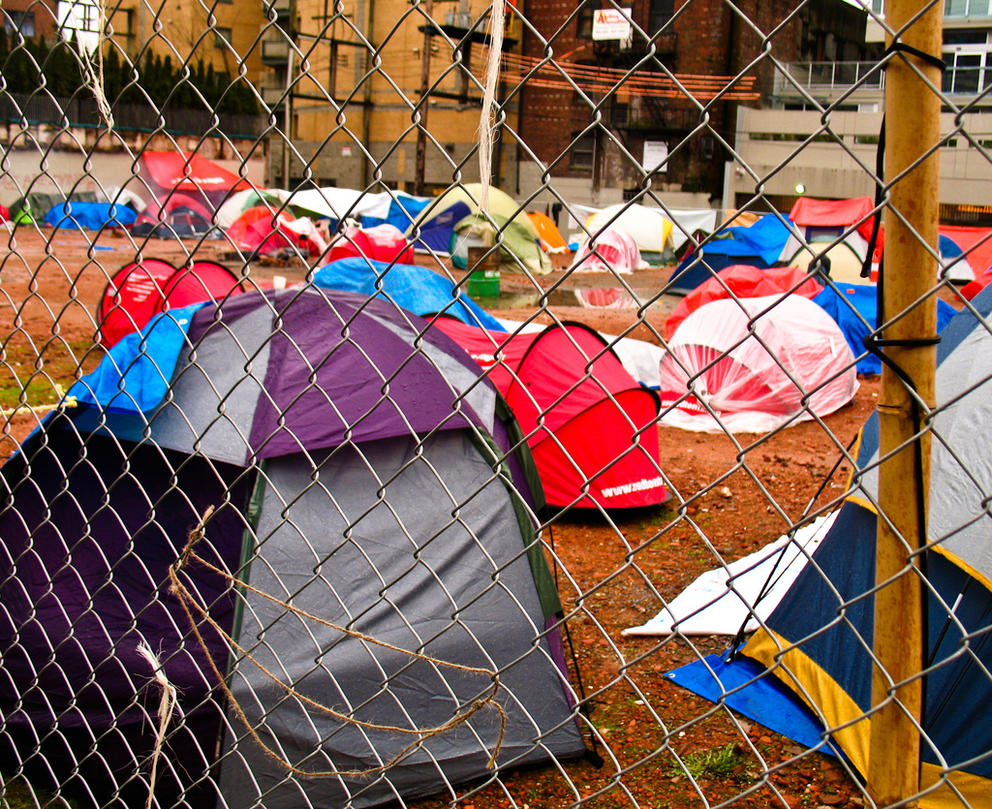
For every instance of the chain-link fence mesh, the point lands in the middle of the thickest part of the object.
(334, 477)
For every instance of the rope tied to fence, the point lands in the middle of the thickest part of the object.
(166, 707)
(190, 605)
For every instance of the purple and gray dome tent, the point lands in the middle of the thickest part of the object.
(373, 552)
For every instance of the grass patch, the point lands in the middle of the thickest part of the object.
(16, 793)
(717, 762)
(38, 375)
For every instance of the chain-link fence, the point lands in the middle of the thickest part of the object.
(340, 471)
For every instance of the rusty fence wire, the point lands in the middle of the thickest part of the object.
(339, 471)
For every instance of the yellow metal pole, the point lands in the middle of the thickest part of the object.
(912, 115)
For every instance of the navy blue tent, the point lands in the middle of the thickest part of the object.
(855, 308)
(816, 640)
(414, 288)
(436, 231)
(89, 215)
(758, 245)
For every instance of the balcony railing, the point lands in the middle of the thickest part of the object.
(829, 78)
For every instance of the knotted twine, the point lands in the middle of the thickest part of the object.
(166, 707)
(191, 605)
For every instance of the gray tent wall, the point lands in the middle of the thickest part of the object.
(410, 555)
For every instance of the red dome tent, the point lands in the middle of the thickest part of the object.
(384, 243)
(586, 419)
(743, 281)
(140, 290)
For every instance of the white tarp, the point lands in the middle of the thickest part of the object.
(720, 601)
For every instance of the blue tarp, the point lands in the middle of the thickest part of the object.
(746, 687)
(759, 245)
(854, 322)
(134, 375)
(90, 215)
(765, 238)
(403, 212)
(411, 287)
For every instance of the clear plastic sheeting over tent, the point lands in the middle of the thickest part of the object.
(753, 365)
(609, 250)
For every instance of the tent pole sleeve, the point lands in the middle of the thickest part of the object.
(910, 275)
(248, 544)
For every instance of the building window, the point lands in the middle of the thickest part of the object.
(969, 69)
(19, 22)
(583, 20)
(966, 8)
(222, 37)
(582, 151)
(661, 12)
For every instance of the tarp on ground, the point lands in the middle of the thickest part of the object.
(90, 215)
(828, 663)
(854, 307)
(735, 596)
(416, 289)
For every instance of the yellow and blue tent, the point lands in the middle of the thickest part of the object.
(817, 640)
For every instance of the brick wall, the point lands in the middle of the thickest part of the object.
(710, 40)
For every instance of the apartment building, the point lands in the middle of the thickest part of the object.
(672, 89)
(386, 91)
(841, 148)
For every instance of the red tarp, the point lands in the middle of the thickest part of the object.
(976, 243)
(807, 212)
(584, 416)
(743, 281)
(188, 171)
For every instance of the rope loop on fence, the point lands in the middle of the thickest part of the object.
(191, 605)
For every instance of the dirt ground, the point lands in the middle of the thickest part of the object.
(730, 497)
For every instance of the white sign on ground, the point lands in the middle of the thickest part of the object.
(611, 23)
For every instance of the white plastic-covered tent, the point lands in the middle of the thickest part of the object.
(755, 364)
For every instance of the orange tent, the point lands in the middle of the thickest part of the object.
(551, 239)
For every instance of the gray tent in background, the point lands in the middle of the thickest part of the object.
(360, 471)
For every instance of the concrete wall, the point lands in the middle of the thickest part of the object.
(768, 144)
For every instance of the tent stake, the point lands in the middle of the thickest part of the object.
(910, 273)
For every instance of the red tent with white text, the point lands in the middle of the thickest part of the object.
(587, 420)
